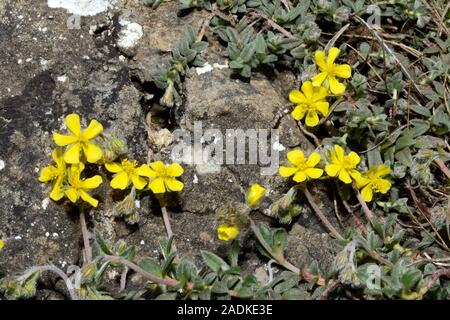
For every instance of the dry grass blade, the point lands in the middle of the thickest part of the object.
(391, 53)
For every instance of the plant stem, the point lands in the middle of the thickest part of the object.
(85, 232)
(123, 279)
(367, 212)
(331, 286)
(59, 272)
(167, 281)
(165, 216)
(443, 167)
(321, 216)
(282, 260)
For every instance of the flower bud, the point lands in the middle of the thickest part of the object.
(227, 232)
(254, 195)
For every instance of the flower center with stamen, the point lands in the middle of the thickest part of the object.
(129, 166)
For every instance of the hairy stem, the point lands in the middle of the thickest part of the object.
(367, 211)
(321, 216)
(85, 232)
(167, 281)
(165, 216)
(123, 279)
(281, 260)
(443, 167)
(57, 271)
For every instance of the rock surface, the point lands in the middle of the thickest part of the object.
(48, 71)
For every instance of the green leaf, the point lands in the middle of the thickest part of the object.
(103, 246)
(410, 278)
(279, 241)
(214, 262)
(167, 266)
(151, 266)
(219, 287)
(233, 253)
(186, 269)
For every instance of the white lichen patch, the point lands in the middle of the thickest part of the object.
(45, 203)
(82, 7)
(130, 34)
(2, 165)
(205, 69)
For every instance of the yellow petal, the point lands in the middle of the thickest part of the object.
(254, 195)
(320, 60)
(86, 197)
(138, 182)
(158, 166)
(322, 107)
(307, 90)
(300, 176)
(48, 173)
(313, 160)
(57, 192)
(312, 119)
(157, 185)
(339, 152)
(226, 232)
(384, 185)
(73, 124)
(344, 176)
(72, 154)
(296, 157)
(57, 155)
(335, 86)
(318, 79)
(366, 193)
(361, 181)
(333, 53)
(93, 130)
(332, 169)
(299, 112)
(72, 194)
(296, 96)
(343, 71)
(92, 152)
(2, 243)
(314, 173)
(287, 171)
(63, 140)
(113, 167)
(145, 171)
(320, 93)
(353, 158)
(383, 170)
(120, 181)
(173, 184)
(355, 174)
(174, 170)
(92, 183)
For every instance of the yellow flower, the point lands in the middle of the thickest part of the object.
(227, 232)
(343, 166)
(126, 173)
(302, 168)
(373, 181)
(310, 101)
(254, 195)
(55, 173)
(80, 187)
(80, 140)
(163, 176)
(330, 70)
(2, 244)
